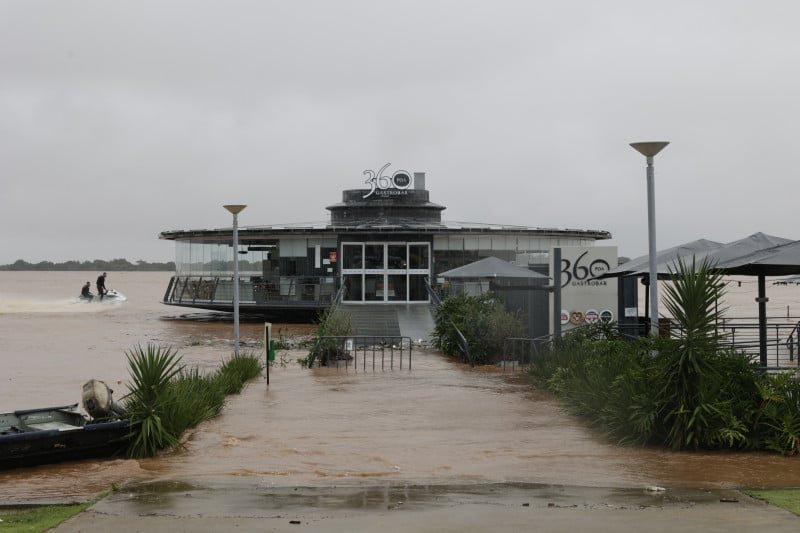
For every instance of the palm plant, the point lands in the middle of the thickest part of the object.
(688, 368)
(151, 368)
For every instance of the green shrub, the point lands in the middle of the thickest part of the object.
(237, 371)
(333, 322)
(778, 415)
(151, 368)
(689, 391)
(166, 399)
(484, 322)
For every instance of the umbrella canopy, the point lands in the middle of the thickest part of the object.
(758, 255)
(780, 260)
(664, 259)
(734, 252)
(491, 267)
(716, 253)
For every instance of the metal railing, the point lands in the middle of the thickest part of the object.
(362, 351)
(743, 334)
(518, 352)
(253, 290)
(783, 343)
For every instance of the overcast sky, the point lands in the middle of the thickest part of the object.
(119, 120)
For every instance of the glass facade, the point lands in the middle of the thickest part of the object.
(453, 251)
(385, 271)
(380, 245)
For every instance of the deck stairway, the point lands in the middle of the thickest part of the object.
(397, 320)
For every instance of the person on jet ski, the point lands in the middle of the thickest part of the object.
(86, 294)
(101, 285)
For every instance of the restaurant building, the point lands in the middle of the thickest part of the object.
(383, 244)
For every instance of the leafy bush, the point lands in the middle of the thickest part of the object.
(334, 322)
(690, 391)
(483, 321)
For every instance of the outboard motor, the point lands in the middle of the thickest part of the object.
(98, 400)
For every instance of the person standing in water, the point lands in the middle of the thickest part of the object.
(86, 293)
(101, 285)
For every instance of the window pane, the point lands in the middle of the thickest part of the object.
(373, 254)
(373, 287)
(397, 256)
(419, 256)
(352, 256)
(416, 289)
(352, 288)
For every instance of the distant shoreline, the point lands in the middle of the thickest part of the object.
(114, 265)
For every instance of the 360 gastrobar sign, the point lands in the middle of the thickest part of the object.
(382, 185)
(583, 270)
(585, 298)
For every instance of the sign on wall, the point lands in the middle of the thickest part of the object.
(585, 299)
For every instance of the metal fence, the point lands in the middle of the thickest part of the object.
(783, 343)
(362, 353)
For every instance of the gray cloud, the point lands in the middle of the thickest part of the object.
(119, 120)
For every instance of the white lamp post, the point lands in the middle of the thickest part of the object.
(235, 210)
(649, 150)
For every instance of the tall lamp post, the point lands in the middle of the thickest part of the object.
(235, 210)
(649, 150)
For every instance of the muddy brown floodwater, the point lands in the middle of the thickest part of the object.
(439, 423)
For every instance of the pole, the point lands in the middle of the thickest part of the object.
(235, 210)
(762, 319)
(651, 235)
(236, 284)
(556, 275)
(649, 150)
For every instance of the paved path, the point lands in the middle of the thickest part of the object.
(177, 507)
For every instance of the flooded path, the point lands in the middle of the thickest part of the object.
(441, 423)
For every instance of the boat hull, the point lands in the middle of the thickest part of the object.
(56, 434)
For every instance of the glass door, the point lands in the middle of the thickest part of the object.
(353, 272)
(396, 272)
(385, 271)
(374, 272)
(419, 268)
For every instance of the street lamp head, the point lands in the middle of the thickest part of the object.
(235, 208)
(649, 149)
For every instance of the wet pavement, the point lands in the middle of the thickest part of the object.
(174, 507)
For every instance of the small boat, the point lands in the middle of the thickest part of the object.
(54, 434)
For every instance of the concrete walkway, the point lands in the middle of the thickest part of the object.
(176, 507)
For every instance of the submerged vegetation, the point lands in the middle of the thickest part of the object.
(484, 322)
(333, 322)
(689, 391)
(167, 398)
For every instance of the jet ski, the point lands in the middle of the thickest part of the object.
(112, 295)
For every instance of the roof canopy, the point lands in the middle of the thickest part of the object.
(664, 258)
(724, 256)
(780, 260)
(491, 267)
